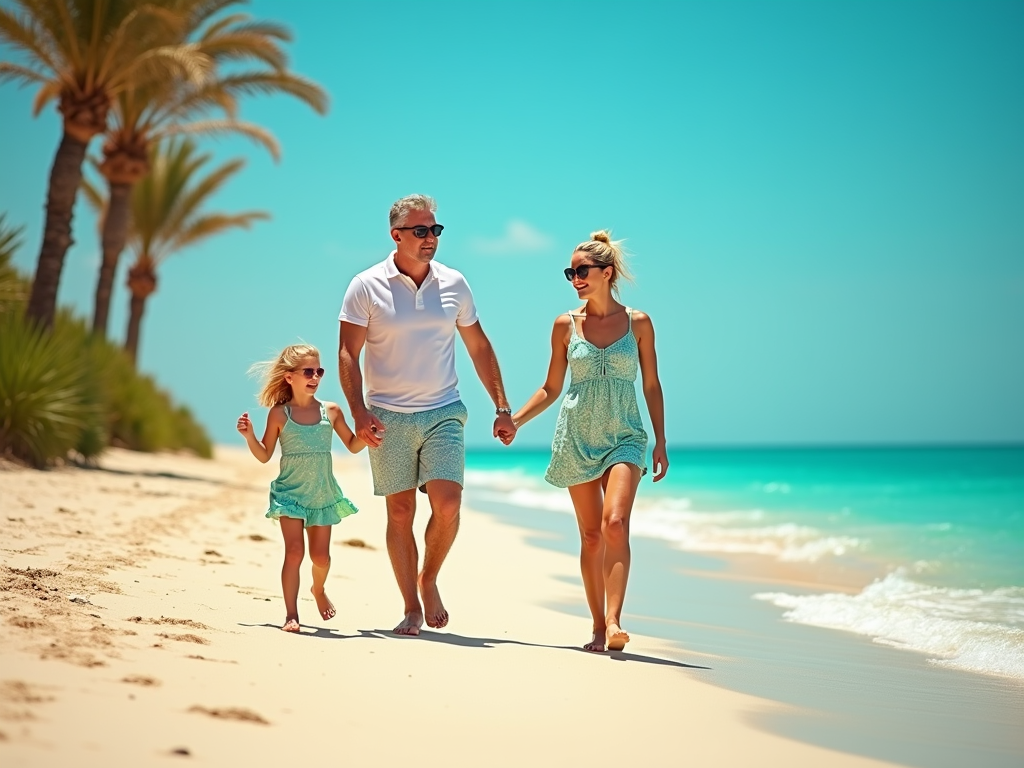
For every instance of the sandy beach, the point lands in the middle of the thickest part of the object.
(139, 614)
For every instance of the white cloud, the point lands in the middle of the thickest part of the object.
(519, 237)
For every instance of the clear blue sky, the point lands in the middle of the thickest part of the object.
(825, 202)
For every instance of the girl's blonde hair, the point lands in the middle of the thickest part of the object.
(275, 389)
(606, 252)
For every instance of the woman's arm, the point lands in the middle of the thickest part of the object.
(263, 449)
(552, 386)
(350, 439)
(643, 329)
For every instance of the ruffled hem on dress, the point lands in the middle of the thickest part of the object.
(329, 515)
(620, 455)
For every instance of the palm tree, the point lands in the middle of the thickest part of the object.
(167, 215)
(83, 53)
(144, 115)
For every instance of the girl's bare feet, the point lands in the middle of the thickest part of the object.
(596, 645)
(324, 604)
(617, 637)
(291, 624)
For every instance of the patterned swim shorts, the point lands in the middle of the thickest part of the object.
(419, 447)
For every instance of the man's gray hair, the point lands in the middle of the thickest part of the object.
(402, 208)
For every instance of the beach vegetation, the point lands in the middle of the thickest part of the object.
(66, 393)
(168, 214)
(245, 58)
(83, 54)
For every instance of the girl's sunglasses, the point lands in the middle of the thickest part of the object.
(581, 271)
(309, 373)
(421, 231)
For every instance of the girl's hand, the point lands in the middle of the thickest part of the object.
(245, 426)
(659, 461)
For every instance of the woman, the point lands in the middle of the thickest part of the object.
(599, 447)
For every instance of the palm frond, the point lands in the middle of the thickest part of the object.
(46, 94)
(212, 224)
(241, 45)
(18, 73)
(270, 83)
(26, 35)
(252, 131)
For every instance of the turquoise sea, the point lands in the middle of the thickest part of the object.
(939, 530)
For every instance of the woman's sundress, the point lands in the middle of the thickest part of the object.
(306, 488)
(599, 422)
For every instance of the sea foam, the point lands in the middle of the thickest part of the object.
(972, 629)
(746, 531)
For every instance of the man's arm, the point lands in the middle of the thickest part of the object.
(486, 364)
(366, 426)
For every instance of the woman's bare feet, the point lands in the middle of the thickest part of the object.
(596, 645)
(324, 604)
(617, 637)
(291, 624)
(433, 608)
(410, 624)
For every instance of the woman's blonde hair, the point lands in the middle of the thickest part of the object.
(275, 389)
(606, 252)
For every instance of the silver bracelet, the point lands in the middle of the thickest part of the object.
(499, 411)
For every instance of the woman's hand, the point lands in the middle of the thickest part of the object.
(659, 461)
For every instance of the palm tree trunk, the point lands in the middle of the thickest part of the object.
(115, 233)
(142, 284)
(65, 176)
(131, 341)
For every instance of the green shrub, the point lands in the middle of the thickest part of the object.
(71, 391)
(44, 407)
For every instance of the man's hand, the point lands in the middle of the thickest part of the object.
(504, 428)
(369, 428)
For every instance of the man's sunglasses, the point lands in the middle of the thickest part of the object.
(581, 271)
(421, 231)
(309, 373)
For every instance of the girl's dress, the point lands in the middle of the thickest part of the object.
(599, 422)
(306, 488)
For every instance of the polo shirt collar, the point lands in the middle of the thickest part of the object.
(391, 269)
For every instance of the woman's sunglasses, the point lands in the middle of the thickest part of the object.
(421, 231)
(309, 373)
(581, 271)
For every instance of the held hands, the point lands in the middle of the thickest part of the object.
(659, 461)
(504, 428)
(368, 428)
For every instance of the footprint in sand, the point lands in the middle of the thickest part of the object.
(230, 713)
(140, 680)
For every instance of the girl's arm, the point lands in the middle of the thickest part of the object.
(352, 441)
(263, 449)
(643, 329)
(552, 386)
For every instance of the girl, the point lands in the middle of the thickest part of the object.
(305, 493)
(599, 447)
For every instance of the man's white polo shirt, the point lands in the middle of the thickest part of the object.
(410, 334)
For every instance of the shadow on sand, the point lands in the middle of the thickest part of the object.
(475, 642)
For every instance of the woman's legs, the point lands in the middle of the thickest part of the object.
(294, 551)
(588, 503)
(620, 481)
(320, 555)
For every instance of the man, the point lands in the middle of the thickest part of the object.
(405, 311)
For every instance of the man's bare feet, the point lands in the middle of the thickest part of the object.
(410, 624)
(617, 637)
(291, 624)
(433, 608)
(596, 645)
(324, 604)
